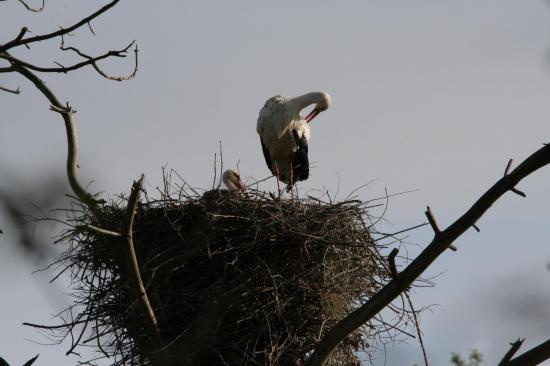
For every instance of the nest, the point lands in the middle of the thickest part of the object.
(234, 279)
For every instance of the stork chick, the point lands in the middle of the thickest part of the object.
(232, 181)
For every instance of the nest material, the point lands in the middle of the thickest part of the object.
(233, 279)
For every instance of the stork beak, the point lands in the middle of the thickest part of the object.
(240, 185)
(312, 114)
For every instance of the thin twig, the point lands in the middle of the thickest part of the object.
(400, 231)
(16, 91)
(35, 10)
(102, 231)
(417, 326)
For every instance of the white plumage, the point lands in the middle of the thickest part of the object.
(232, 180)
(284, 134)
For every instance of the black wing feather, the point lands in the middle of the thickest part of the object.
(300, 163)
(266, 155)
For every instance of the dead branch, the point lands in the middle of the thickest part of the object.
(135, 273)
(19, 40)
(13, 91)
(31, 361)
(89, 61)
(93, 60)
(517, 344)
(441, 241)
(67, 113)
(27, 70)
(534, 356)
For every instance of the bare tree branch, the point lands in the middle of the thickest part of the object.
(517, 344)
(90, 61)
(27, 70)
(14, 91)
(31, 361)
(93, 60)
(67, 113)
(35, 10)
(534, 356)
(438, 245)
(135, 273)
(18, 41)
(120, 78)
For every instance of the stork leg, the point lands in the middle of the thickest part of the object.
(291, 184)
(277, 176)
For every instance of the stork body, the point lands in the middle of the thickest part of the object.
(284, 134)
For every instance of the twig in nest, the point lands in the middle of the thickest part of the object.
(135, 273)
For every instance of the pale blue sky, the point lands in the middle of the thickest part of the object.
(429, 95)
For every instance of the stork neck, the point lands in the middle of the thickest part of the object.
(301, 102)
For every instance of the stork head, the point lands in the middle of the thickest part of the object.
(322, 103)
(232, 181)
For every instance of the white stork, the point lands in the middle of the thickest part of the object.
(284, 134)
(232, 181)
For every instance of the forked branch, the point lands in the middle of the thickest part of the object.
(27, 70)
(90, 60)
(72, 154)
(441, 241)
(19, 40)
(534, 356)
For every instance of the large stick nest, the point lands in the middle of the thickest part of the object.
(234, 279)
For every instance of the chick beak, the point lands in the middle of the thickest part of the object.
(240, 185)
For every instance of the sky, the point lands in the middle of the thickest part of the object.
(431, 96)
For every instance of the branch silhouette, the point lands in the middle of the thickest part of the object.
(29, 70)
(442, 241)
